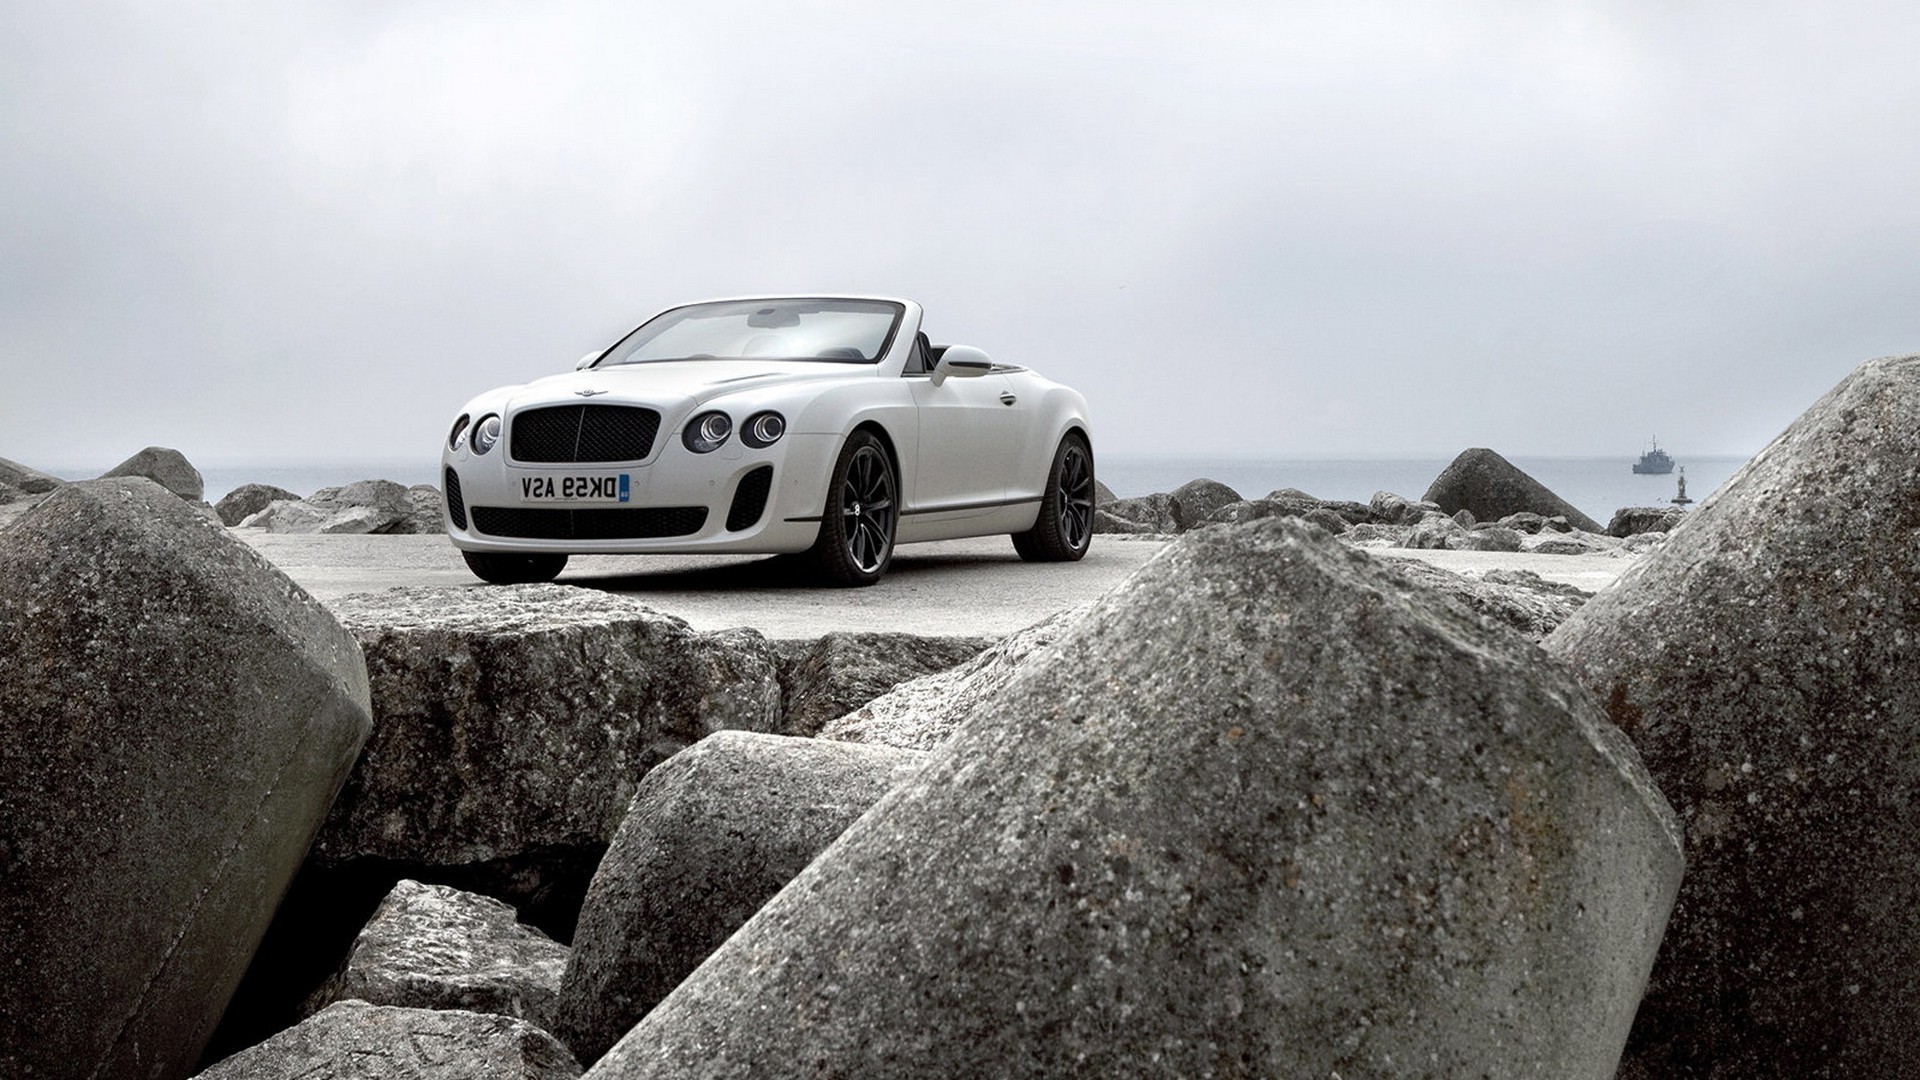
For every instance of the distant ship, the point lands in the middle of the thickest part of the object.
(1654, 462)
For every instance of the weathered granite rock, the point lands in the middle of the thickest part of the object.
(353, 1039)
(1489, 538)
(1376, 535)
(1578, 542)
(177, 717)
(512, 719)
(1102, 494)
(249, 499)
(424, 519)
(434, 947)
(1193, 502)
(1287, 503)
(1390, 509)
(1519, 599)
(1147, 514)
(1630, 520)
(167, 467)
(361, 508)
(922, 713)
(1491, 487)
(1264, 811)
(30, 480)
(840, 671)
(711, 836)
(1436, 531)
(9, 493)
(1533, 524)
(1766, 660)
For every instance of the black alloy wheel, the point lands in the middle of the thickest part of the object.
(1064, 530)
(500, 568)
(863, 509)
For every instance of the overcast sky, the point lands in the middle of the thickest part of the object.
(280, 230)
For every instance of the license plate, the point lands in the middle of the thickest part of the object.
(610, 488)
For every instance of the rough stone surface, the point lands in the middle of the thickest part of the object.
(508, 720)
(424, 519)
(1435, 532)
(1519, 599)
(1489, 538)
(711, 836)
(1386, 508)
(1376, 535)
(27, 479)
(1491, 487)
(1102, 494)
(1264, 811)
(353, 1039)
(249, 499)
(1632, 520)
(177, 716)
(1579, 542)
(1147, 514)
(839, 672)
(1532, 524)
(434, 947)
(1766, 660)
(1193, 502)
(922, 713)
(360, 508)
(168, 468)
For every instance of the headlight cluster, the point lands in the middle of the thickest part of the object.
(710, 430)
(459, 429)
(486, 433)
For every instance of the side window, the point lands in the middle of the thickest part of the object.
(921, 362)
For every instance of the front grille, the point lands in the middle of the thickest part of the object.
(456, 505)
(750, 499)
(583, 433)
(621, 523)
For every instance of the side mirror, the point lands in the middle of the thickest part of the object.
(587, 360)
(961, 362)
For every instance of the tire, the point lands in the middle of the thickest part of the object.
(497, 568)
(855, 545)
(1064, 530)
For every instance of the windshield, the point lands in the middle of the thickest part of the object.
(836, 331)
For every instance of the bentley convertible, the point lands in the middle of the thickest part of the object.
(829, 427)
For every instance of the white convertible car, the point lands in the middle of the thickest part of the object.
(826, 425)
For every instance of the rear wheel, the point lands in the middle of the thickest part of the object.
(1064, 530)
(501, 568)
(856, 532)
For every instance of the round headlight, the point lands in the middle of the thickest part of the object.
(459, 429)
(763, 429)
(486, 433)
(705, 433)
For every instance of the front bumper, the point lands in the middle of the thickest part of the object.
(679, 503)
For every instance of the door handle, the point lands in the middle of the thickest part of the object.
(1008, 398)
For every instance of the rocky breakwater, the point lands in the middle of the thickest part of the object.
(1767, 664)
(1262, 811)
(363, 507)
(177, 717)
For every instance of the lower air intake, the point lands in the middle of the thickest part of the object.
(456, 504)
(622, 523)
(750, 499)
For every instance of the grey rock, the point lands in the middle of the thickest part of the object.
(1147, 514)
(10, 494)
(1489, 538)
(428, 509)
(1102, 494)
(712, 835)
(1376, 535)
(922, 713)
(1264, 811)
(364, 507)
(1436, 531)
(167, 467)
(1278, 504)
(30, 480)
(512, 719)
(1533, 524)
(1491, 487)
(1766, 660)
(1578, 542)
(383, 1042)
(1331, 520)
(1464, 518)
(1386, 508)
(840, 671)
(249, 499)
(1631, 520)
(1518, 599)
(435, 947)
(177, 716)
(1193, 502)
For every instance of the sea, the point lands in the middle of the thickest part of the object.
(1596, 485)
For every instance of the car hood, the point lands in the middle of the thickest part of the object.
(671, 383)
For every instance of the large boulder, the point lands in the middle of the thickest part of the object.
(1264, 811)
(29, 480)
(360, 508)
(1520, 599)
(1634, 520)
(1766, 660)
(841, 671)
(177, 717)
(712, 835)
(922, 713)
(166, 467)
(1193, 502)
(385, 1042)
(426, 509)
(1491, 487)
(435, 947)
(1386, 508)
(1146, 514)
(249, 499)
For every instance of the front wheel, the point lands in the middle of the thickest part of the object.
(499, 568)
(1064, 530)
(856, 533)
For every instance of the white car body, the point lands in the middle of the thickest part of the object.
(971, 448)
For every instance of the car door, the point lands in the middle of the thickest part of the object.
(969, 441)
